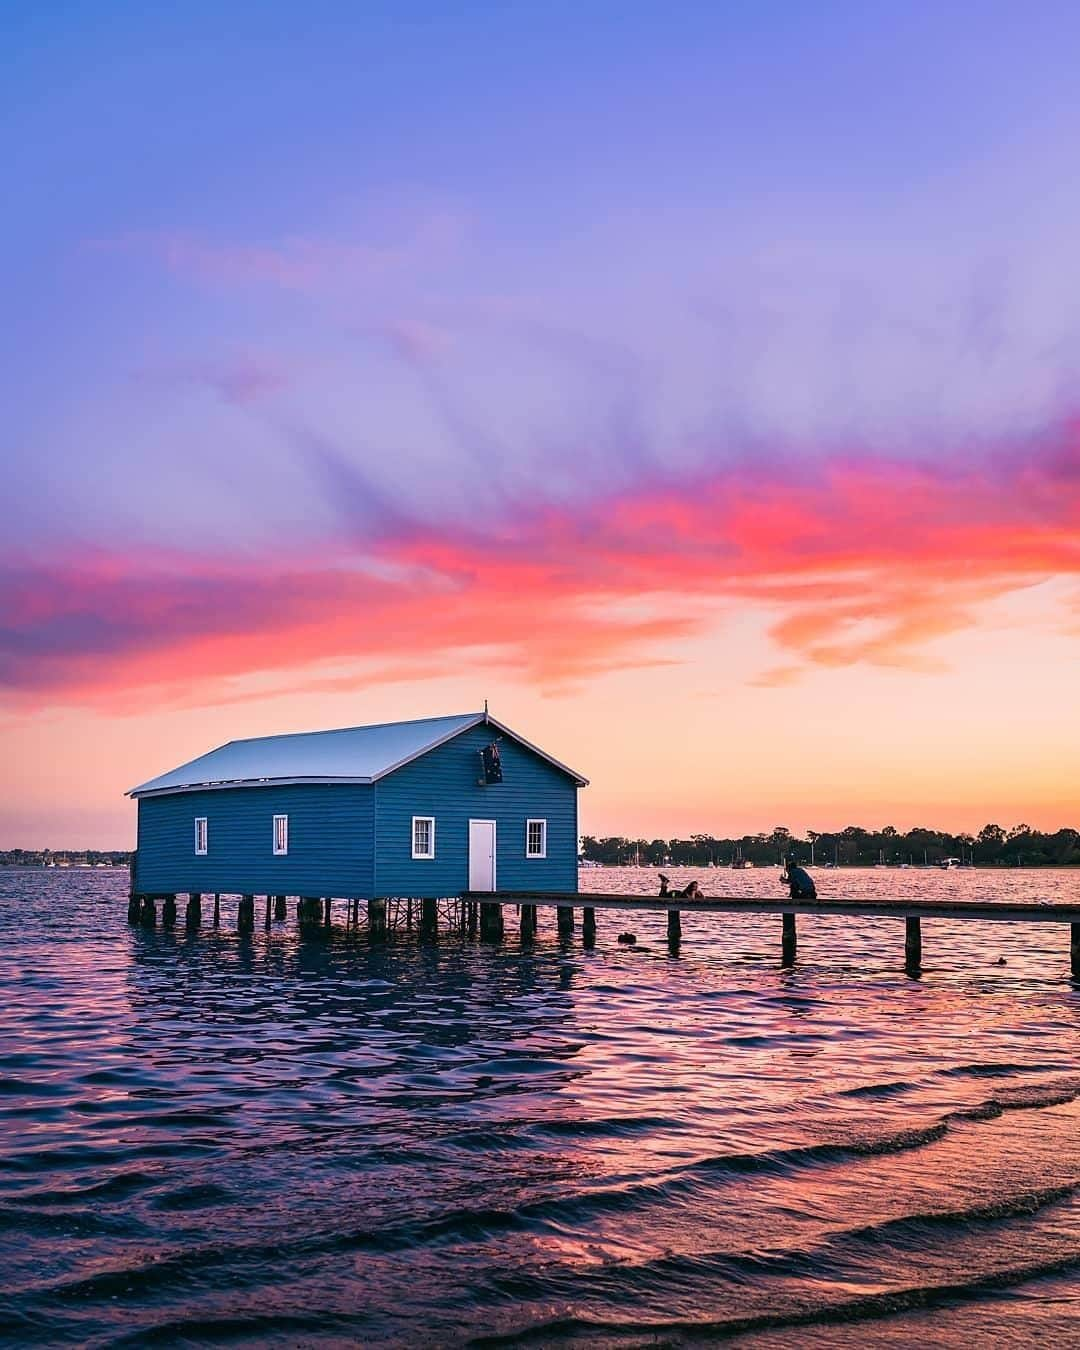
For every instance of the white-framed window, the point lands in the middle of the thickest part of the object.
(201, 836)
(423, 836)
(536, 839)
(281, 835)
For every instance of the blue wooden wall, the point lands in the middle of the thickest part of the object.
(443, 784)
(331, 841)
(333, 829)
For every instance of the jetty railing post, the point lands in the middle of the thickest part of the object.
(193, 914)
(1074, 949)
(674, 928)
(788, 939)
(280, 907)
(566, 920)
(913, 943)
(217, 910)
(376, 919)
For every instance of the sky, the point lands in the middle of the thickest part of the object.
(698, 383)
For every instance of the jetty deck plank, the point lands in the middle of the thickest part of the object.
(993, 910)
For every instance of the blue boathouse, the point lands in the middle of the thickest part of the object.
(423, 809)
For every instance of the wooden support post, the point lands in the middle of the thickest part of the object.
(566, 920)
(266, 919)
(1074, 949)
(280, 907)
(491, 922)
(148, 912)
(913, 943)
(376, 920)
(217, 910)
(309, 913)
(245, 914)
(408, 915)
(588, 924)
(327, 902)
(193, 915)
(134, 908)
(429, 919)
(789, 940)
(474, 917)
(526, 927)
(168, 911)
(674, 928)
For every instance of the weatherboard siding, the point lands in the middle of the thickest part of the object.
(444, 783)
(331, 841)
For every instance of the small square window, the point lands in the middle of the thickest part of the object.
(423, 836)
(281, 835)
(536, 839)
(201, 836)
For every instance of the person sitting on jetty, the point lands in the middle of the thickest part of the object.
(690, 892)
(799, 879)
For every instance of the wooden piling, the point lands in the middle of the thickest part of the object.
(281, 910)
(674, 927)
(245, 914)
(525, 922)
(491, 922)
(217, 910)
(1074, 949)
(134, 908)
(376, 918)
(788, 939)
(193, 913)
(327, 914)
(588, 924)
(168, 911)
(565, 920)
(309, 913)
(913, 943)
(266, 920)
(429, 919)
(148, 912)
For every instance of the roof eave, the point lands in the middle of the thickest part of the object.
(145, 791)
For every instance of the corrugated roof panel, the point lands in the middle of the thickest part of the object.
(357, 753)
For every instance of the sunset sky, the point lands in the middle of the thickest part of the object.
(698, 383)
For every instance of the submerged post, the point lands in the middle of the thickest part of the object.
(1074, 949)
(134, 907)
(217, 910)
(280, 908)
(913, 943)
(168, 911)
(588, 924)
(193, 914)
(376, 920)
(245, 914)
(788, 940)
(491, 922)
(266, 919)
(429, 919)
(148, 912)
(525, 922)
(566, 920)
(674, 927)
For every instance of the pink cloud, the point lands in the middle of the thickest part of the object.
(860, 560)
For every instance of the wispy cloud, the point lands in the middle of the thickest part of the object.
(859, 560)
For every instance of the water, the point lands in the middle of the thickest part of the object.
(262, 1141)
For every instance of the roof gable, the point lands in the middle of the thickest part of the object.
(346, 755)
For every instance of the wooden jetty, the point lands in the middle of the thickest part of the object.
(480, 913)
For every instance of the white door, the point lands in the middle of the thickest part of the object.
(481, 855)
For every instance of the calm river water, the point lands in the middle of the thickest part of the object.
(216, 1139)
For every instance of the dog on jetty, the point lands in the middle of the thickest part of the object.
(691, 892)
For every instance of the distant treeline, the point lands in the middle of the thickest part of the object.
(1020, 846)
(63, 857)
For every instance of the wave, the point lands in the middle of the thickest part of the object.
(863, 1308)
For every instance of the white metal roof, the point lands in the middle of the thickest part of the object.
(348, 755)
